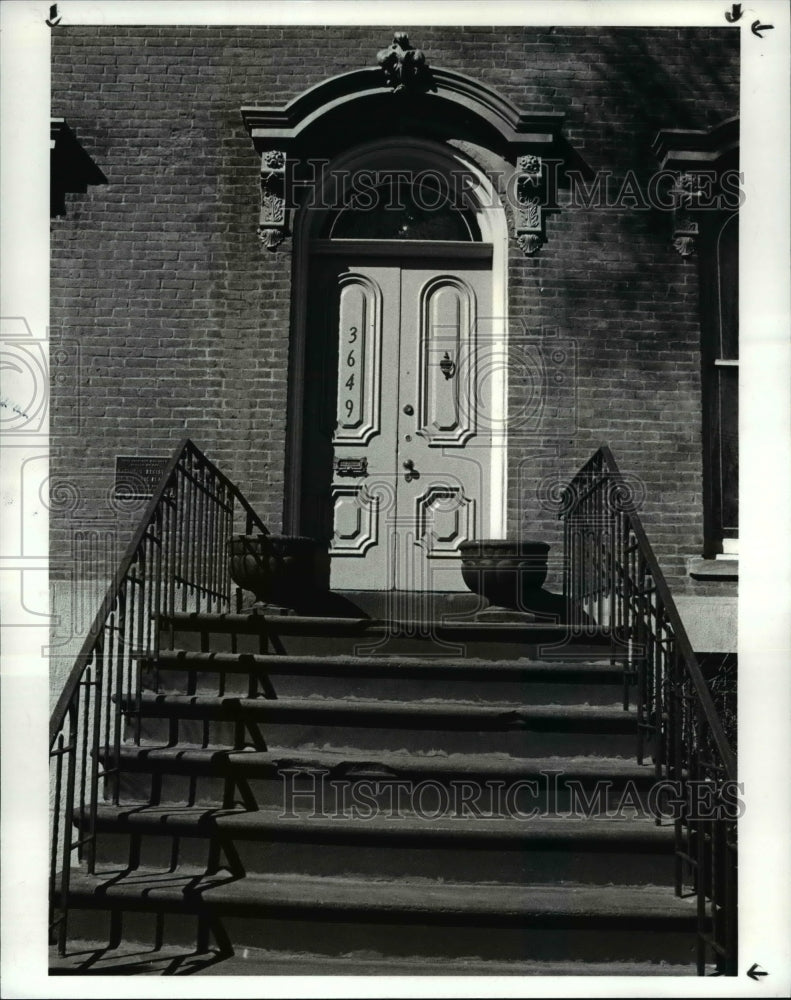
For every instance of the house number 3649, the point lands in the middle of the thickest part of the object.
(351, 361)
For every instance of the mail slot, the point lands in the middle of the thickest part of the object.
(354, 467)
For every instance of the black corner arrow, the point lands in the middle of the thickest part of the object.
(53, 18)
(754, 972)
(733, 15)
(756, 27)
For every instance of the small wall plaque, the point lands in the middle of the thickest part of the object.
(355, 467)
(137, 478)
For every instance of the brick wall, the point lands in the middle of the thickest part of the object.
(169, 320)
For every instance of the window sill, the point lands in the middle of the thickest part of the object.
(713, 569)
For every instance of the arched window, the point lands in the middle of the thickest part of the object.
(404, 208)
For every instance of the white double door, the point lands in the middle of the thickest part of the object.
(411, 446)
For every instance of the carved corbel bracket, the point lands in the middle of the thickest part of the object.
(697, 159)
(528, 214)
(687, 193)
(272, 219)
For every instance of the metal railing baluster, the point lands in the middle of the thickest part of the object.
(177, 559)
(610, 574)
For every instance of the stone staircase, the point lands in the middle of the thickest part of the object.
(350, 796)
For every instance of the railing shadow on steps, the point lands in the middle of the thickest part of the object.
(177, 560)
(612, 579)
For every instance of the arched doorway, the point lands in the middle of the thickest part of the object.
(399, 385)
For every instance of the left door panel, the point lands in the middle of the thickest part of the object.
(348, 483)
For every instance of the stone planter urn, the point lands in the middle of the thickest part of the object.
(277, 569)
(508, 573)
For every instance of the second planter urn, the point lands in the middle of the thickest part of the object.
(506, 572)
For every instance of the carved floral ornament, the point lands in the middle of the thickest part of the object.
(405, 68)
(272, 217)
(273, 159)
(686, 193)
(528, 216)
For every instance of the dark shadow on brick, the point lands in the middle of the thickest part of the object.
(71, 169)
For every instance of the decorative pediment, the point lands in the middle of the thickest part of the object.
(404, 95)
(690, 149)
(293, 125)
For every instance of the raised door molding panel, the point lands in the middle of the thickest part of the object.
(446, 362)
(356, 520)
(359, 360)
(444, 518)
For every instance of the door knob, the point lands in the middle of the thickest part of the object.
(408, 410)
(411, 472)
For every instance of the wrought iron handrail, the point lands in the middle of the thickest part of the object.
(612, 579)
(177, 560)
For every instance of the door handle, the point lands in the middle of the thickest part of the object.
(411, 472)
(447, 366)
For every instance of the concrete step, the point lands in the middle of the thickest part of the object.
(327, 776)
(443, 840)
(410, 916)
(390, 677)
(448, 637)
(372, 794)
(93, 958)
(522, 730)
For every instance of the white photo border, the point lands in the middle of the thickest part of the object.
(765, 490)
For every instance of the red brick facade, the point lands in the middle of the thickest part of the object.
(169, 319)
